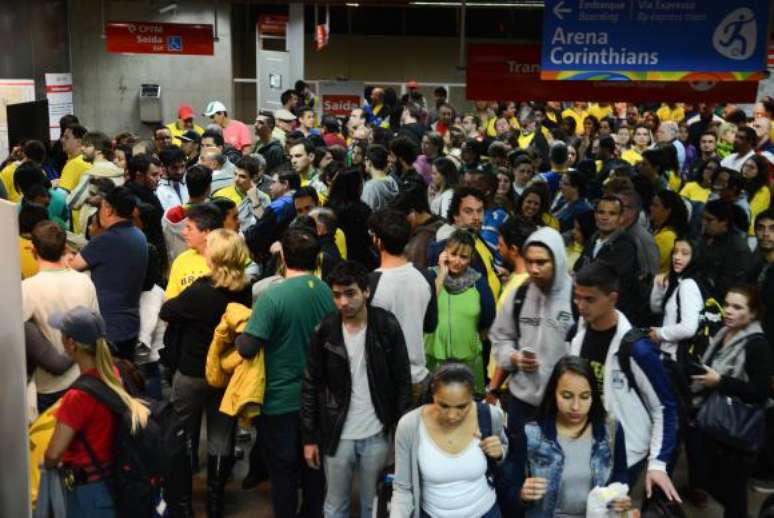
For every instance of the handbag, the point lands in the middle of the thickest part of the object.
(732, 422)
(659, 506)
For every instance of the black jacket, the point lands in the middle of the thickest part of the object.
(727, 261)
(620, 251)
(195, 313)
(153, 231)
(327, 385)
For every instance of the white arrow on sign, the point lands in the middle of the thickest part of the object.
(560, 10)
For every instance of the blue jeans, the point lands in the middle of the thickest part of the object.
(368, 457)
(282, 451)
(91, 500)
(152, 374)
(494, 512)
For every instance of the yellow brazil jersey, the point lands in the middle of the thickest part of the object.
(665, 113)
(569, 112)
(693, 191)
(72, 172)
(229, 192)
(665, 241)
(341, 243)
(491, 130)
(6, 175)
(632, 156)
(176, 132)
(491, 275)
(188, 266)
(674, 181)
(29, 265)
(600, 112)
(514, 281)
(761, 201)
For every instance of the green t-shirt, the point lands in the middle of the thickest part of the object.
(284, 319)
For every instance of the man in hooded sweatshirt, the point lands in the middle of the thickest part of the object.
(528, 334)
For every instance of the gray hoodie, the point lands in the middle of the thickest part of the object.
(545, 319)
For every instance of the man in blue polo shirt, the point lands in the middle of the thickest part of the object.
(117, 259)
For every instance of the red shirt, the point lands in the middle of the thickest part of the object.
(81, 412)
(332, 139)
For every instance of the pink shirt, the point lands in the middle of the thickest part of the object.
(237, 134)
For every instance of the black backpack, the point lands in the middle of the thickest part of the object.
(678, 380)
(138, 459)
(518, 303)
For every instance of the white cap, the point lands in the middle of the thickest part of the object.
(284, 115)
(213, 108)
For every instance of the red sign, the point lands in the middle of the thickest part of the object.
(272, 24)
(339, 105)
(321, 36)
(159, 38)
(498, 72)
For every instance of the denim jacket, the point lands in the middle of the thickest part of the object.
(541, 446)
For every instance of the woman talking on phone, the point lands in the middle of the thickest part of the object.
(441, 457)
(466, 308)
(570, 448)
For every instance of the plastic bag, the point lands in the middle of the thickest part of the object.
(51, 499)
(601, 497)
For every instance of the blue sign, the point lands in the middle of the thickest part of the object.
(645, 36)
(175, 43)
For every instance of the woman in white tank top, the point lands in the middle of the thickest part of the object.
(441, 458)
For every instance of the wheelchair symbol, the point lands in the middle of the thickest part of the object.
(174, 43)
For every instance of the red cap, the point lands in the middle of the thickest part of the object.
(412, 85)
(185, 112)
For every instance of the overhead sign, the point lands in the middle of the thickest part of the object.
(59, 92)
(272, 24)
(159, 38)
(668, 40)
(512, 71)
(339, 98)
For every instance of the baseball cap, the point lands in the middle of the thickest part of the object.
(284, 115)
(213, 108)
(85, 325)
(185, 112)
(190, 136)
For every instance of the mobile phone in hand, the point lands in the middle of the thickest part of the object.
(528, 353)
(696, 369)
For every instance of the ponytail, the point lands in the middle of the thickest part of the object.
(104, 361)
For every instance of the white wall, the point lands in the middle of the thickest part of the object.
(14, 446)
(106, 85)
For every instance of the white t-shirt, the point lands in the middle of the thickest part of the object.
(361, 421)
(453, 486)
(406, 293)
(49, 292)
(735, 161)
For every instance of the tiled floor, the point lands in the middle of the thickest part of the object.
(256, 503)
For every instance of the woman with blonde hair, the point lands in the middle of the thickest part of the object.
(197, 311)
(82, 419)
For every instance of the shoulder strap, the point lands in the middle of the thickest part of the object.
(485, 428)
(484, 419)
(677, 299)
(100, 391)
(625, 360)
(373, 282)
(518, 304)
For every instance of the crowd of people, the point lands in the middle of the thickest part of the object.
(502, 309)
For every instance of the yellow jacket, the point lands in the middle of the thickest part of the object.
(244, 380)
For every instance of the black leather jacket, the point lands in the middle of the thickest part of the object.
(327, 385)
